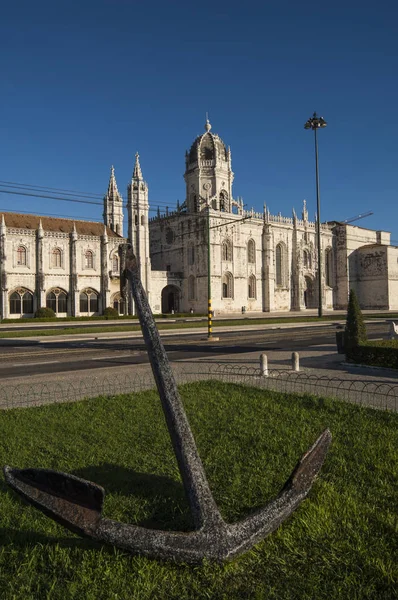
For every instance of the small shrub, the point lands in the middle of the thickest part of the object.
(355, 329)
(44, 313)
(111, 313)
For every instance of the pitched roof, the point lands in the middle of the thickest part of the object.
(55, 224)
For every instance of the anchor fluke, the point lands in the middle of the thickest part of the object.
(69, 500)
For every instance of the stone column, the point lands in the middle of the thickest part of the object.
(73, 281)
(40, 293)
(268, 269)
(3, 271)
(105, 291)
(295, 270)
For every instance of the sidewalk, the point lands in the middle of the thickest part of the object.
(323, 373)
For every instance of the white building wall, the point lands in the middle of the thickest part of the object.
(392, 267)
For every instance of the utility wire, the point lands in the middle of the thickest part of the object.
(73, 217)
(50, 197)
(29, 190)
(35, 194)
(38, 188)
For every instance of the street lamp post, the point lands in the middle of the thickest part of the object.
(316, 123)
(209, 310)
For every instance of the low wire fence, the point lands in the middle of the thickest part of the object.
(373, 393)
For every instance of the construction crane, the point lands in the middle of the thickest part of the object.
(361, 216)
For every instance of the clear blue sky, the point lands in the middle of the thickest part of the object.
(85, 85)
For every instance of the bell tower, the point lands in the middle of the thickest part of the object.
(208, 174)
(138, 222)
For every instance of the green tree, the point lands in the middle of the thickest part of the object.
(355, 329)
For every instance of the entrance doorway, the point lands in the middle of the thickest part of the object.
(309, 299)
(170, 299)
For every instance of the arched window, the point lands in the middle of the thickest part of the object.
(118, 229)
(251, 292)
(118, 303)
(191, 255)
(21, 256)
(251, 252)
(227, 285)
(21, 302)
(305, 259)
(89, 259)
(281, 265)
(195, 203)
(191, 288)
(115, 263)
(142, 220)
(57, 300)
(226, 251)
(307, 262)
(329, 267)
(223, 201)
(88, 301)
(56, 257)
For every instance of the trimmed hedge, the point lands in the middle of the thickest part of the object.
(376, 354)
(111, 313)
(181, 315)
(44, 313)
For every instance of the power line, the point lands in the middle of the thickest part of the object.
(45, 214)
(40, 188)
(50, 197)
(58, 191)
(35, 194)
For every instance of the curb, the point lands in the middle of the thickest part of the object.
(370, 368)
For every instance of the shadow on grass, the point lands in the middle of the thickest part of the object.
(163, 497)
(163, 500)
(25, 537)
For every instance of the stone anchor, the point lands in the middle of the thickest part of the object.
(77, 503)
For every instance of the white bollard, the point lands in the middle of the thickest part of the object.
(295, 361)
(263, 365)
(393, 333)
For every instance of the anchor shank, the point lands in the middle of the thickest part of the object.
(203, 506)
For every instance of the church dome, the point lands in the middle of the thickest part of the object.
(207, 146)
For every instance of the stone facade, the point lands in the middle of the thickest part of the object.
(258, 262)
(70, 266)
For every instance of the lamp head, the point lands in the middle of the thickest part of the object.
(315, 122)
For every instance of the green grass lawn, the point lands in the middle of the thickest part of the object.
(340, 543)
(167, 324)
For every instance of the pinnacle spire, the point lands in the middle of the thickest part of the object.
(112, 187)
(305, 211)
(207, 124)
(137, 174)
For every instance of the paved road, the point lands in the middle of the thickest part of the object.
(64, 356)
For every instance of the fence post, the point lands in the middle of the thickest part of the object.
(263, 365)
(295, 361)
